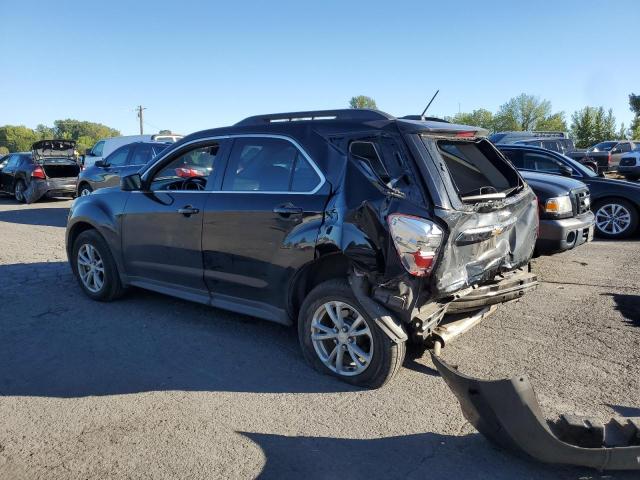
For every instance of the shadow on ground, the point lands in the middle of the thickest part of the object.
(425, 455)
(628, 306)
(56, 342)
(51, 217)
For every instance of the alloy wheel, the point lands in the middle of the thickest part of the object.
(19, 191)
(85, 191)
(613, 219)
(342, 338)
(90, 268)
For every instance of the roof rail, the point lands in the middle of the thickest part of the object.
(353, 114)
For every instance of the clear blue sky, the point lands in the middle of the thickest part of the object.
(198, 65)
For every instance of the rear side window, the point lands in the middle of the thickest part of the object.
(367, 152)
(141, 155)
(476, 168)
(268, 165)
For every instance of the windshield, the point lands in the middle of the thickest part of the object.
(603, 146)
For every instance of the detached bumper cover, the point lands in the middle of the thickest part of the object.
(507, 413)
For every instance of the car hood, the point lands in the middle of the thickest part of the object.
(554, 184)
(54, 148)
(621, 184)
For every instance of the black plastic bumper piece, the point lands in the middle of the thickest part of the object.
(507, 413)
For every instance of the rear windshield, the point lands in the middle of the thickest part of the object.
(477, 169)
(604, 146)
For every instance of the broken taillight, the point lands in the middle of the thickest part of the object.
(38, 172)
(417, 242)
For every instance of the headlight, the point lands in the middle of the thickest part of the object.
(559, 205)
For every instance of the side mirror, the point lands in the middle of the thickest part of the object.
(566, 171)
(88, 153)
(131, 183)
(101, 163)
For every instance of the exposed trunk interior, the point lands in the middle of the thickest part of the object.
(60, 168)
(477, 171)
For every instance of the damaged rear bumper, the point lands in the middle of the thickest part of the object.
(507, 412)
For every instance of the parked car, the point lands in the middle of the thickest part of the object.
(630, 164)
(556, 141)
(362, 229)
(566, 220)
(560, 145)
(616, 203)
(122, 161)
(106, 146)
(604, 156)
(50, 169)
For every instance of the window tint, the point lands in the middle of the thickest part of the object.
(119, 157)
(268, 165)
(551, 145)
(198, 163)
(624, 147)
(97, 149)
(543, 163)
(515, 157)
(141, 155)
(13, 160)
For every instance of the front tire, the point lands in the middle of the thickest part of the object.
(18, 191)
(339, 338)
(615, 218)
(95, 268)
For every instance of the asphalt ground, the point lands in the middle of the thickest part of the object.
(155, 387)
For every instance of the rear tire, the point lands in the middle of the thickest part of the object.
(359, 342)
(94, 267)
(84, 190)
(615, 218)
(18, 191)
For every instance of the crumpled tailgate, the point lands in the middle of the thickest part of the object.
(485, 242)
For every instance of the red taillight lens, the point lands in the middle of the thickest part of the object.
(185, 172)
(38, 172)
(609, 158)
(417, 242)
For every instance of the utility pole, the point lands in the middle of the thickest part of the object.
(140, 109)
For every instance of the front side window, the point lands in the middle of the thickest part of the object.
(268, 165)
(118, 158)
(191, 170)
(540, 162)
(97, 149)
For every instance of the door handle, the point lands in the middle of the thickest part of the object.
(287, 209)
(188, 210)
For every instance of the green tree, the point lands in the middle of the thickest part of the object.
(524, 112)
(362, 101)
(582, 127)
(3, 150)
(553, 123)
(74, 129)
(478, 118)
(44, 132)
(622, 133)
(634, 105)
(17, 138)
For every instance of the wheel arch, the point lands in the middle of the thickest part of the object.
(326, 267)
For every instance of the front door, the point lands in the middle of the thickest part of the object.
(162, 225)
(7, 174)
(262, 225)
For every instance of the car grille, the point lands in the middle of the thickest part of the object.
(627, 162)
(581, 200)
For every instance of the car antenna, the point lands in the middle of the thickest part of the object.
(429, 104)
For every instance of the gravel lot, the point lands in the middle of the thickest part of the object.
(154, 387)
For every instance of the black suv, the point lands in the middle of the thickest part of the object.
(362, 229)
(122, 161)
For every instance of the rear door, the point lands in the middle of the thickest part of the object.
(162, 226)
(262, 224)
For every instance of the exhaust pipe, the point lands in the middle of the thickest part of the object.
(446, 332)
